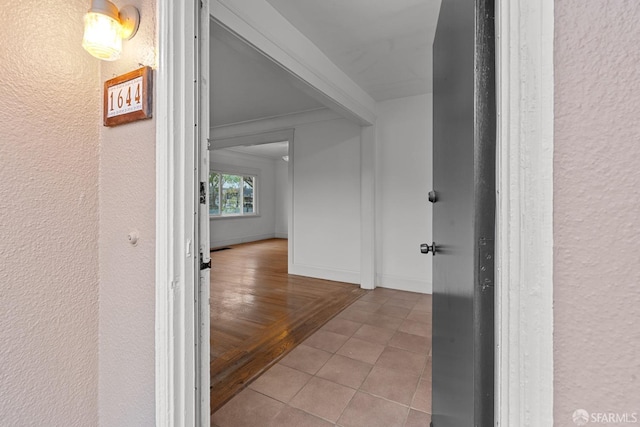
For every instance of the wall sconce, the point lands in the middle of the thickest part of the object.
(105, 27)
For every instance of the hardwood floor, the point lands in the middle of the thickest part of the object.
(259, 312)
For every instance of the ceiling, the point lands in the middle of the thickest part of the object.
(385, 46)
(274, 150)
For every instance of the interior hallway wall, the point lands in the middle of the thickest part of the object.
(596, 205)
(127, 273)
(49, 113)
(405, 157)
(326, 191)
(282, 199)
(230, 231)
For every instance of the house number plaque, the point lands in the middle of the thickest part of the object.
(128, 97)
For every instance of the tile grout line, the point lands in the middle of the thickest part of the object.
(421, 373)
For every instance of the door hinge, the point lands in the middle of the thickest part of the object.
(203, 193)
(204, 265)
(486, 265)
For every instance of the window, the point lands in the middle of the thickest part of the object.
(231, 195)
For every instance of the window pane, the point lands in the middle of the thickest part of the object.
(231, 196)
(214, 194)
(248, 194)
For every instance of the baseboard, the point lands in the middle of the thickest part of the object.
(282, 235)
(238, 240)
(404, 284)
(325, 273)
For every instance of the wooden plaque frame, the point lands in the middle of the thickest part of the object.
(147, 96)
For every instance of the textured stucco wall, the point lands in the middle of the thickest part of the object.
(49, 110)
(596, 206)
(127, 278)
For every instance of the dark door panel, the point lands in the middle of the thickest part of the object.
(463, 216)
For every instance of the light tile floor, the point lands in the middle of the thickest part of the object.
(370, 366)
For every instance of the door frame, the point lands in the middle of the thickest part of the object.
(182, 287)
(524, 214)
(524, 182)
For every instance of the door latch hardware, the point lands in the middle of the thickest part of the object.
(433, 196)
(203, 193)
(204, 265)
(425, 248)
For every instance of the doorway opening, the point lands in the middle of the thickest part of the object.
(259, 311)
(249, 193)
(384, 338)
(524, 323)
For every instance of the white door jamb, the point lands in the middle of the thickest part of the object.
(524, 226)
(177, 258)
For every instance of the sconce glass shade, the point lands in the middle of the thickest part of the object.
(102, 36)
(105, 27)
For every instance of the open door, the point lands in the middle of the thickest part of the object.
(464, 214)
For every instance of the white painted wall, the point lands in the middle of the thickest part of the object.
(404, 139)
(229, 231)
(326, 191)
(282, 199)
(49, 112)
(127, 278)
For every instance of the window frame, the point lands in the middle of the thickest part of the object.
(241, 173)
